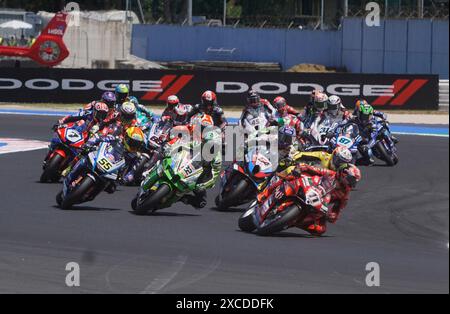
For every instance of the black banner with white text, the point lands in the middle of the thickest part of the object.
(154, 86)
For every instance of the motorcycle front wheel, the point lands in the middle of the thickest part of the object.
(279, 221)
(239, 189)
(152, 201)
(386, 156)
(52, 169)
(76, 195)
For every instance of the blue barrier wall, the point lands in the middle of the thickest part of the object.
(396, 47)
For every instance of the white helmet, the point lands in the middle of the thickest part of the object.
(128, 111)
(334, 104)
(181, 110)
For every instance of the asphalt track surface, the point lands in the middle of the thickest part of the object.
(399, 218)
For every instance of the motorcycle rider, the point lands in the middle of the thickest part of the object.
(282, 107)
(255, 102)
(364, 118)
(318, 105)
(339, 156)
(129, 142)
(94, 116)
(122, 91)
(141, 108)
(378, 114)
(210, 106)
(336, 186)
(210, 137)
(173, 108)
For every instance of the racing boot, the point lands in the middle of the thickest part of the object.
(198, 200)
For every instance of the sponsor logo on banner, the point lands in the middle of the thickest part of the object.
(154, 86)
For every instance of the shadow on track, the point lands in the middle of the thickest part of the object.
(287, 234)
(88, 208)
(164, 214)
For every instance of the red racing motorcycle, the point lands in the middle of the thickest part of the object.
(65, 145)
(285, 204)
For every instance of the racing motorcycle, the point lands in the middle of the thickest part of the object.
(241, 181)
(285, 206)
(319, 135)
(382, 145)
(67, 141)
(94, 172)
(350, 138)
(173, 177)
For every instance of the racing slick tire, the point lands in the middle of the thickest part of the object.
(51, 170)
(152, 202)
(389, 159)
(77, 193)
(246, 223)
(279, 222)
(235, 195)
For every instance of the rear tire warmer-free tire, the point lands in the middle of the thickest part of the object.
(235, 194)
(77, 193)
(280, 222)
(152, 202)
(385, 156)
(52, 169)
(246, 223)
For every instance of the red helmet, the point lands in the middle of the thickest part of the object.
(209, 100)
(349, 175)
(172, 101)
(279, 103)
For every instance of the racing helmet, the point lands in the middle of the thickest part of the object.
(209, 100)
(341, 156)
(334, 104)
(313, 95)
(181, 110)
(127, 112)
(122, 91)
(349, 175)
(172, 101)
(134, 139)
(101, 111)
(253, 99)
(320, 101)
(364, 111)
(109, 98)
(279, 103)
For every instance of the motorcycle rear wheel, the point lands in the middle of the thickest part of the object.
(278, 222)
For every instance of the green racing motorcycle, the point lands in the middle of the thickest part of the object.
(171, 178)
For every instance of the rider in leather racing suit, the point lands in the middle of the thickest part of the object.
(282, 107)
(209, 102)
(141, 108)
(336, 187)
(96, 114)
(211, 168)
(255, 102)
(366, 122)
(318, 104)
(130, 140)
(378, 114)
